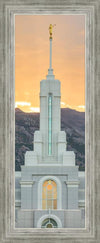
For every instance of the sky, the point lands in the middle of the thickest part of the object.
(32, 59)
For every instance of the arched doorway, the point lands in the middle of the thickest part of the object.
(58, 199)
(49, 223)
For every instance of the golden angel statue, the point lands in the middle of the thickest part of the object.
(50, 30)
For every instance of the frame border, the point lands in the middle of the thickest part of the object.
(91, 10)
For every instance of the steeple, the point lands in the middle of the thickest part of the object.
(50, 64)
(50, 70)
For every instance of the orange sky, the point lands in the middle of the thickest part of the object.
(32, 59)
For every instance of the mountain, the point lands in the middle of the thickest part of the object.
(72, 122)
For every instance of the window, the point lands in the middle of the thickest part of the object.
(49, 223)
(50, 124)
(49, 195)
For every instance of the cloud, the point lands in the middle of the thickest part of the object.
(22, 103)
(69, 106)
(81, 106)
(63, 103)
(35, 109)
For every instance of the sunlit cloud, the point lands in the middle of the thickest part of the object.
(22, 103)
(63, 103)
(81, 106)
(34, 109)
(69, 106)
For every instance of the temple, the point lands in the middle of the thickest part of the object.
(50, 190)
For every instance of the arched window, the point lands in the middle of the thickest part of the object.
(49, 195)
(49, 223)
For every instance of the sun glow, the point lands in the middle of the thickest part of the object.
(32, 59)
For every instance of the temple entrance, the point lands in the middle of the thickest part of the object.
(49, 195)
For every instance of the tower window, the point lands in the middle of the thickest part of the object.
(50, 124)
(49, 195)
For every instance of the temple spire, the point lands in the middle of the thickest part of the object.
(50, 64)
(50, 70)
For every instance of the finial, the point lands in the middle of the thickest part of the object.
(50, 30)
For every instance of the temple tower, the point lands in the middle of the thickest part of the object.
(50, 119)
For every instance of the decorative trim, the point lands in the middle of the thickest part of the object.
(81, 203)
(70, 183)
(26, 183)
(49, 216)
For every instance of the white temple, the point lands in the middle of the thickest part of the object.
(50, 191)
